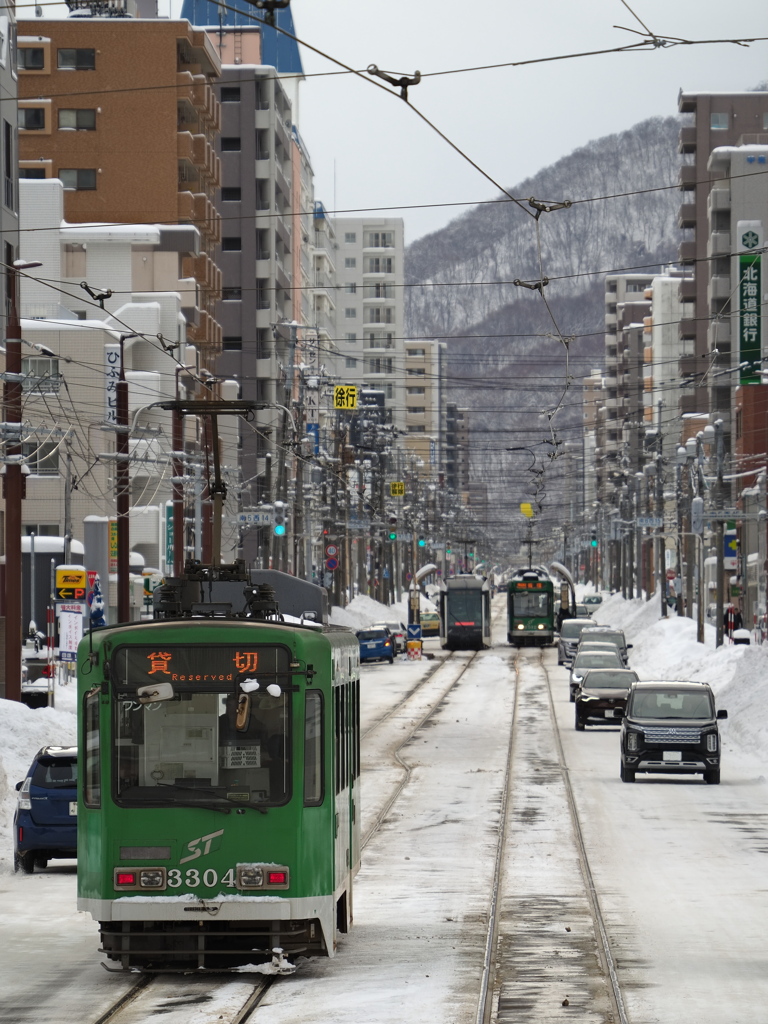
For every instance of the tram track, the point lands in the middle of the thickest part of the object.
(546, 932)
(184, 999)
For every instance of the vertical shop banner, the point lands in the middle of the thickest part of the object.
(70, 635)
(749, 235)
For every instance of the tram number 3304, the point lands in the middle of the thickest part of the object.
(192, 878)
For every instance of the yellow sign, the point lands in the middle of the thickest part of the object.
(113, 545)
(397, 489)
(527, 509)
(71, 583)
(345, 396)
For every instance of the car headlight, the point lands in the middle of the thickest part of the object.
(577, 679)
(633, 741)
(711, 742)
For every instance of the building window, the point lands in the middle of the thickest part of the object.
(416, 391)
(42, 459)
(232, 344)
(718, 122)
(380, 365)
(389, 390)
(350, 236)
(32, 172)
(77, 60)
(380, 265)
(81, 179)
(230, 144)
(350, 363)
(380, 315)
(42, 375)
(31, 58)
(32, 119)
(82, 120)
(350, 263)
(415, 353)
(351, 288)
(75, 260)
(417, 410)
(231, 294)
(230, 94)
(350, 314)
(416, 373)
(350, 337)
(231, 244)
(414, 429)
(230, 195)
(380, 239)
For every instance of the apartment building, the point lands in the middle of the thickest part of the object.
(122, 111)
(9, 204)
(425, 405)
(712, 120)
(71, 358)
(664, 348)
(456, 449)
(738, 210)
(369, 313)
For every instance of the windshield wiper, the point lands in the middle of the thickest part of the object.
(221, 804)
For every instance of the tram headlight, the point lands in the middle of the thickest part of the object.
(249, 877)
(540, 626)
(521, 625)
(152, 878)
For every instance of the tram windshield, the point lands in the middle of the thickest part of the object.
(531, 603)
(465, 607)
(224, 737)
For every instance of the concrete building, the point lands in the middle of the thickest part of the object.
(663, 350)
(425, 408)
(370, 323)
(713, 120)
(71, 362)
(122, 111)
(9, 206)
(738, 211)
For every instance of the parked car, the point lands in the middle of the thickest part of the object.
(570, 632)
(397, 631)
(376, 644)
(585, 660)
(583, 611)
(607, 634)
(430, 624)
(671, 728)
(591, 600)
(602, 696)
(45, 820)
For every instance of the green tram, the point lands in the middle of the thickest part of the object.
(219, 816)
(530, 608)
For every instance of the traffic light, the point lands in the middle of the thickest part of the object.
(422, 542)
(392, 528)
(279, 522)
(593, 542)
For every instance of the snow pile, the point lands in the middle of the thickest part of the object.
(364, 611)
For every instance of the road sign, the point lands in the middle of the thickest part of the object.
(331, 550)
(730, 549)
(345, 396)
(331, 564)
(650, 521)
(397, 489)
(255, 518)
(414, 630)
(671, 573)
(71, 583)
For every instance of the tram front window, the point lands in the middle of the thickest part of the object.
(530, 605)
(464, 607)
(211, 747)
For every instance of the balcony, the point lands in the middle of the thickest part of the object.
(687, 252)
(719, 287)
(687, 292)
(688, 176)
(720, 332)
(719, 243)
(719, 199)
(688, 327)
(687, 139)
(686, 215)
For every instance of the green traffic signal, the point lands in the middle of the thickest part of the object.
(393, 536)
(422, 542)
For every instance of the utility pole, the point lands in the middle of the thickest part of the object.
(123, 491)
(719, 534)
(14, 484)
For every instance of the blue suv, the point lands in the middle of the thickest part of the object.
(45, 822)
(376, 644)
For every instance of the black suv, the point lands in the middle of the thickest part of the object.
(45, 822)
(602, 696)
(671, 728)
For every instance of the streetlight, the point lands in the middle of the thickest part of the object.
(123, 490)
(13, 483)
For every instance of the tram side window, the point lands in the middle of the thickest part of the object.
(92, 746)
(338, 736)
(313, 748)
(355, 728)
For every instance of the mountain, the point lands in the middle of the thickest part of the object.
(507, 360)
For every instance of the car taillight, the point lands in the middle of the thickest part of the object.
(387, 643)
(712, 742)
(25, 803)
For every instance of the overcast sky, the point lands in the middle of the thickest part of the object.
(369, 150)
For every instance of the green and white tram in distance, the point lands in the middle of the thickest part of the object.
(530, 608)
(219, 817)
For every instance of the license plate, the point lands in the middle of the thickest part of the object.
(73, 807)
(672, 755)
(609, 712)
(371, 647)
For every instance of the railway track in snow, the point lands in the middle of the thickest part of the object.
(191, 999)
